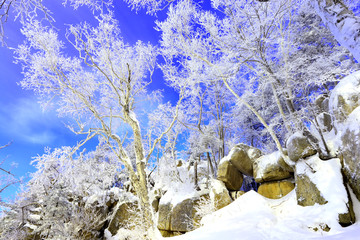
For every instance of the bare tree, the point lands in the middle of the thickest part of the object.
(6, 177)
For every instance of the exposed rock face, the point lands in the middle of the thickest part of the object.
(242, 157)
(313, 186)
(164, 219)
(276, 189)
(124, 213)
(307, 192)
(182, 215)
(325, 122)
(322, 102)
(345, 97)
(350, 151)
(298, 146)
(271, 167)
(228, 174)
(219, 194)
(180, 218)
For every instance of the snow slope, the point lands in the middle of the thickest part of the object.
(254, 217)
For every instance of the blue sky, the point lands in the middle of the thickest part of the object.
(22, 121)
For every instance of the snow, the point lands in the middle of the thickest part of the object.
(264, 161)
(327, 177)
(347, 88)
(254, 217)
(353, 121)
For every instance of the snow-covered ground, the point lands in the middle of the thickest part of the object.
(255, 217)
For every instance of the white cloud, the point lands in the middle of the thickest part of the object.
(25, 121)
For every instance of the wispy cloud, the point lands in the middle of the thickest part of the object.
(25, 121)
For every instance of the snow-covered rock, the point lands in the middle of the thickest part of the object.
(276, 189)
(271, 167)
(298, 146)
(321, 182)
(242, 157)
(179, 213)
(123, 216)
(345, 97)
(349, 133)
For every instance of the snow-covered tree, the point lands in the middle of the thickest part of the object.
(66, 197)
(257, 50)
(99, 89)
(6, 177)
(342, 22)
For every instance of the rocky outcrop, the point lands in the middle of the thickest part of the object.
(313, 186)
(180, 217)
(271, 167)
(344, 106)
(345, 97)
(276, 189)
(307, 192)
(219, 195)
(228, 174)
(243, 157)
(350, 150)
(298, 147)
(123, 215)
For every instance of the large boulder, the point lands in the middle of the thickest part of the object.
(164, 218)
(276, 189)
(271, 167)
(219, 195)
(182, 215)
(176, 216)
(228, 174)
(345, 97)
(350, 150)
(123, 214)
(321, 182)
(298, 146)
(242, 157)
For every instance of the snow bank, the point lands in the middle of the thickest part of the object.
(254, 217)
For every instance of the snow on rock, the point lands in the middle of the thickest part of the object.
(298, 146)
(321, 182)
(344, 97)
(349, 146)
(253, 217)
(271, 167)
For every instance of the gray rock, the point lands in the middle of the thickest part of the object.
(308, 193)
(299, 147)
(345, 97)
(124, 213)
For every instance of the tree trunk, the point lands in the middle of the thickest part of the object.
(210, 164)
(342, 23)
